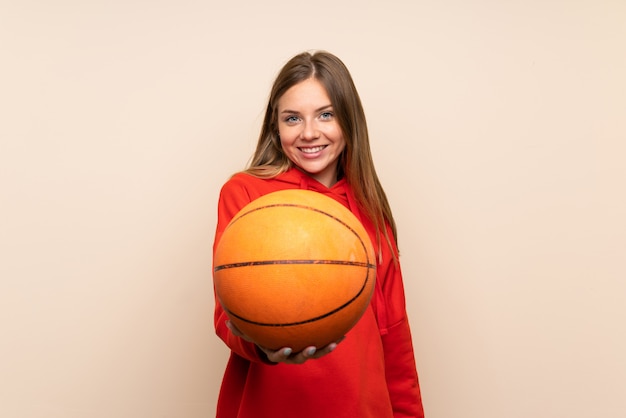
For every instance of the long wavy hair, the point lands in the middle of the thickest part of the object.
(355, 163)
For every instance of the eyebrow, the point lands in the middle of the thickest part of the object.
(317, 110)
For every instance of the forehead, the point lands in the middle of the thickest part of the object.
(309, 93)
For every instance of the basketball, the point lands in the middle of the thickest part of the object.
(294, 268)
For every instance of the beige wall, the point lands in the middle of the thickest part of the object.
(498, 130)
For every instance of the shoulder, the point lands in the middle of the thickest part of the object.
(237, 191)
(242, 188)
(243, 184)
(240, 180)
(252, 187)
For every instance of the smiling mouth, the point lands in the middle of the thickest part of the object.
(312, 150)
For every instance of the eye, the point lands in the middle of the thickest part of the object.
(326, 115)
(292, 119)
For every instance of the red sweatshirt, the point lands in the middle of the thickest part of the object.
(371, 373)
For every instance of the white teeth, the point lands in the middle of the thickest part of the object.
(312, 150)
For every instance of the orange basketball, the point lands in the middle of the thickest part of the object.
(294, 268)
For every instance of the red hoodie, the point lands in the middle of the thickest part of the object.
(371, 373)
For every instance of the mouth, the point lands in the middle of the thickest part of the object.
(312, 150)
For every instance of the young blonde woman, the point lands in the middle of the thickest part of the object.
(314, 136)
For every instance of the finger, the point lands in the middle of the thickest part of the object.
(308, 353)
(235, 331)
(233, 328)
(286, 355)
(278, 356)
(321, 352)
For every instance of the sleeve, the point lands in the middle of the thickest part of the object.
(401, 373)
(400, 367)
(233, 197)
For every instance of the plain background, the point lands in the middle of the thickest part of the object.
(498, 131)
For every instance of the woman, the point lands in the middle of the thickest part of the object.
(314, 136)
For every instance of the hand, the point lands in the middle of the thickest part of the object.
(285, 354)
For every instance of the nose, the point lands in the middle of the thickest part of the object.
(310, 131)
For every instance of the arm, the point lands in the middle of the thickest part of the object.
(233, 197)
(401, 372)
(400, 368)
(235, 194)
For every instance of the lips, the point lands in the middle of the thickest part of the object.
(312, 150)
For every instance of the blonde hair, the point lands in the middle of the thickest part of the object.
(356, 162)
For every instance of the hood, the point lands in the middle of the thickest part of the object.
(339, 191)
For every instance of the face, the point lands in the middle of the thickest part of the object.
(309, 132)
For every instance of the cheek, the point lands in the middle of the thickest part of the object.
(342, 147)
(286, 143)
(287, 137)
(336, 134)
(340, 139)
